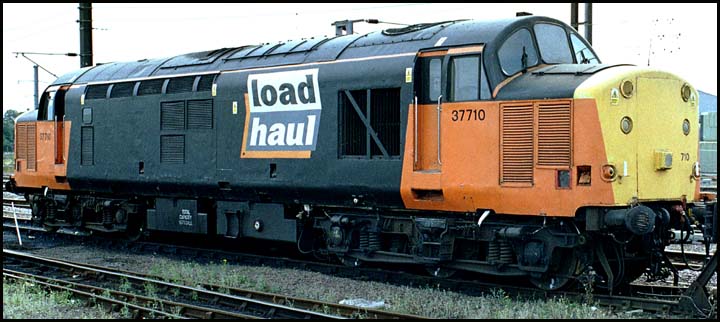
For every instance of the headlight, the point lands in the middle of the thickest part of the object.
(685, 92)
(627, 88)
(686, 127)
(626, 125)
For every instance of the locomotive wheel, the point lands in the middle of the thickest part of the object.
(440, 272)
(135, 228)
(39, 211)
(561, 273)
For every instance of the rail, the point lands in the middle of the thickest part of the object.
(254, 302)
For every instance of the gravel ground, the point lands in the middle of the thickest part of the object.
(426, 301)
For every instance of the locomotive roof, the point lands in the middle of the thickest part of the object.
(387, 42)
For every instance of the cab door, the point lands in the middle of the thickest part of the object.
(428, 111)
(52, 117)
(446, 119)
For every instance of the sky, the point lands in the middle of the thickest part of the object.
(680, 38)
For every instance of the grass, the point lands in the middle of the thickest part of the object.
(424, 301)
(23, 300)
(8, 163)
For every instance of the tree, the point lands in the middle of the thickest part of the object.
(9, 129)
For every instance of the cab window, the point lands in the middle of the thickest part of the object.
(46, 108)
(553, 43)
(52, 105)
(583, 54)
(465, 78)
(517, 53)
(434, 78)
(429, 85)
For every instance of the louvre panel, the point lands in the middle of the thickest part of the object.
(96, 91)
(122, 90)
(554, 134)
(517, 143)
(200, 114)
(205, 83)
(31, 148)
(172, 148)
(353, 139)
(385, 119)
(87, 148)
(21, 142)
(180, 84)
(150, 87)
(172, 115)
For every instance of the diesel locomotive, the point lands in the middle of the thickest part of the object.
(500, 147)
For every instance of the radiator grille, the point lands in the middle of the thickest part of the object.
(172, 115)
(87, 156)
(554, 133)
(172, 148)
(31, 149)
(199, 114)
(517, 143)
(21, 142)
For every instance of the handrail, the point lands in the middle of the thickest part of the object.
(54, 138)
(416, 131)
(439, 109)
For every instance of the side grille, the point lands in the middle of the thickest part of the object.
(516, 143)
(172, 148)
(385, 119)
(96, 91)
(21, 141)
(199, 114)
(172, 115)
(122, 89)
(205, 83)
(554, 134)
(180, 84)
(87, 156)
(149, 87)
(31, 149)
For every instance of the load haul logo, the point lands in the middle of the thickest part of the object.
(282, 114)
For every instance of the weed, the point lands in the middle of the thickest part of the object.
(125, 285)
(150, 289)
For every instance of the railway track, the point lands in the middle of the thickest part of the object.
(661, 300)
(693, 259)
(202, 301)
